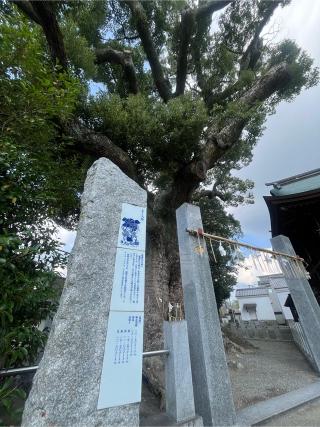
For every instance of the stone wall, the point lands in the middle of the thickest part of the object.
(259, 329)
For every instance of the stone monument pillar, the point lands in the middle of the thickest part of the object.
(211, 383)
(66, 386)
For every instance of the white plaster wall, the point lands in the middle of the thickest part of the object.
(264, 308)
(282, 298)
(244, 314)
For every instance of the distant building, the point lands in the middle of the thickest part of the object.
(294, 207)
(266, 301)
(229, 311)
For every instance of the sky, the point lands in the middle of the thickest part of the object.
(290, 142)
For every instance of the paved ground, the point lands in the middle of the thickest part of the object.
(308, 416)
(278, 405)
(274, 368)
(271, 369)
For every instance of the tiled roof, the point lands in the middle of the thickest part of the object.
(297, 184)
(252, 292)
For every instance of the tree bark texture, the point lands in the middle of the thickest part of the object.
(163, 286)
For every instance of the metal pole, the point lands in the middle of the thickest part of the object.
(30, 369)
(18, 371)
(155, 353)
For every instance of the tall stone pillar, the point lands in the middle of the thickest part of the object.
(304, 300)
(211, 383)
(66, 386)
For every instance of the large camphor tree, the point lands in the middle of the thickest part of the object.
(183, 102)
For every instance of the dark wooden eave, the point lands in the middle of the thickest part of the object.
(297, 216)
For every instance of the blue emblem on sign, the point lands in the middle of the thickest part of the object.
(130, 227)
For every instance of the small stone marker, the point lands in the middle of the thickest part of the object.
(66, 386)
(179, 389)
(304, 300)
(211, 383)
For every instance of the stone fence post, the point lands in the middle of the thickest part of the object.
(66, 386)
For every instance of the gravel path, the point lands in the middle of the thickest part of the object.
(274, 368)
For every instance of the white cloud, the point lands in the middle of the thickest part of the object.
(66, 238)
(246, 276)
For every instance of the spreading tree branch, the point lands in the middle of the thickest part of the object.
(186, 31)
(99, 145)
(209, 7)
(249, 58)
(142, 26)
(190, 17)
(43, 13)
(220, 140)
(121, 58)
(211, 194)
(196, 55)
(253, 52)
(85, 140)
(219, 98)
(28, 10)
(125, 36)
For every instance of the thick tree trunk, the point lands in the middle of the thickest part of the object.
(163, 285)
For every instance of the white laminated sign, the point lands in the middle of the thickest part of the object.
(128, 284)
(122, 365)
